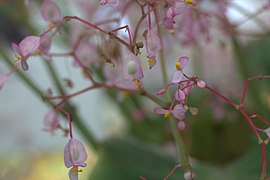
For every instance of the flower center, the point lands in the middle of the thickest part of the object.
(18, 57)
(167, 114)
(137, 83)
(178, 66)
(188, 1)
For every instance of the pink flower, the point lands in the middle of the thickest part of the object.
(179, 95)
(25, 48)
(51, 121)
(152, 47)
(50, 11)
(132, 71)
(74, 156)
(178, 112)
(113, 3)
(3, 79)
(45, 45)
(180, 64)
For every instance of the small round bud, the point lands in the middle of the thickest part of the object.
(193, 110)
(201, 84)
(181, 125)
(189, 175)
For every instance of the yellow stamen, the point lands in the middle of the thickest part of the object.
(188, 1)
(178, 66)
(36, 53)
(18, 57)
(152, 62)
(167, 114)
(171, 31)
(75, 170)
(137, 83)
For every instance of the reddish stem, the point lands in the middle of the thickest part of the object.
(172, 171)
(222, 97)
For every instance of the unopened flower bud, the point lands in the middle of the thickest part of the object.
(201, 84)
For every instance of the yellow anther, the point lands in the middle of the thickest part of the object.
(171, 31)
(18, 57)
(137, 84)
(36, 53)
(188, 1)
(167, 114)
(152, 62)
(178, 66)
(75, 170)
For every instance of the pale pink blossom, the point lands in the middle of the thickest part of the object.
(25, 48)
(74, 156)
(50, 11)
(51, 121)
(178, 112)
(180, 64)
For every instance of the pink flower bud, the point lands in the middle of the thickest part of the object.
(201, 84)
(181, 125)
(51, 121)
(50, 11)
(152, 43)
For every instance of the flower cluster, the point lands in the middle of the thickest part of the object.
(181, 94)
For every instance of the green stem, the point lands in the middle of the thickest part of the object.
(77, 120)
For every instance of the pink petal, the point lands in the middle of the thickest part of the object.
(179, 112)
(201, 84)
(51, 121)
(24, 64)
(183, 61)
(181, 125)
(17, 49)
(159, 110)
(152, 43)
(179, 8)
(74, 153)
(45, 44)
(179, 95)
(113, 3)
(186, 89)
(170, 13)
(50, 11)
(177, 77)
(132, 67)
(73, 174)
(29, 44)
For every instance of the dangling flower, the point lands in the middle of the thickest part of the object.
(74, 156)
(51, 121)
(152, 47)
(25, 48)
(132, 70)
(179, 95)
(50, 11)
(178, 112)
(180, 64)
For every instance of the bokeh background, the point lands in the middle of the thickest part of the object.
(136, 141)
